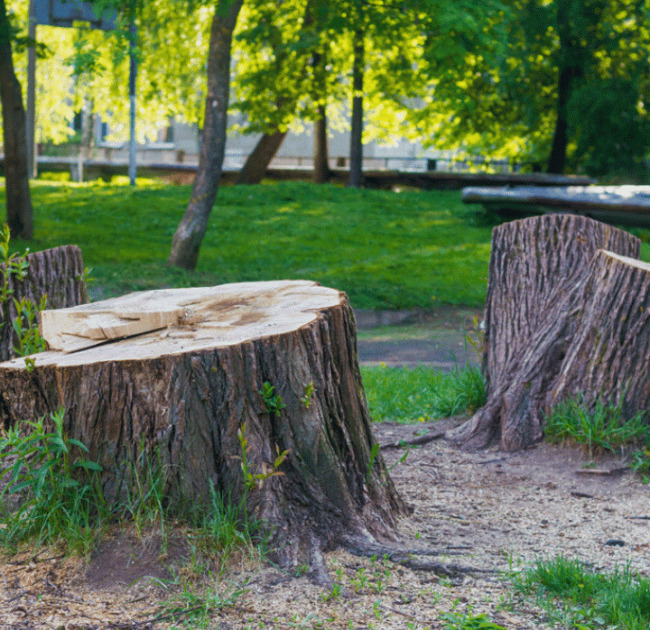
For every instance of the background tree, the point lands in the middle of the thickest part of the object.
(190, 232)
(19, 204)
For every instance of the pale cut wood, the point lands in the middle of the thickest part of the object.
(182, 395)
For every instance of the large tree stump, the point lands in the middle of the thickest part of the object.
(182, 393)
(563, 316)
(57, 273)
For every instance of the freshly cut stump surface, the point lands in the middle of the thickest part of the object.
(173, 378)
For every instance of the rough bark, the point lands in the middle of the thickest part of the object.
(536, 313)
(191, 230)
(19, 203)
(57, 273)
(257, 163)
(182, 394)
(356, 131)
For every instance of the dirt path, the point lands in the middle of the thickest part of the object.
(489, 512)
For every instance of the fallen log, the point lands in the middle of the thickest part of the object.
(618, 205)
(231, 372)
(562, 318)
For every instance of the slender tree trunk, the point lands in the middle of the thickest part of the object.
(557, 159)
(569, 69)
(257, 163)
(356, 144)
(19, 203)
(190, 232)
(321, 151)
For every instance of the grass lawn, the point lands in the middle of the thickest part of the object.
(387, 250)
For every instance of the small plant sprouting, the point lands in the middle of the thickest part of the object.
(251, 479)
(272, 401)
(309, 392)
(25, 325)
(476, 337)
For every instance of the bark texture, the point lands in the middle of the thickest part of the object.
(539, 318)
(184, 393)
(191, 230)
(19, 202)
(57, 273)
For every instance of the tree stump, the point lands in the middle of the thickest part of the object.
(566, 313)
(57, 273)
(178, 374)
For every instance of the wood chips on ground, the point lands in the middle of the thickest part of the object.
(489, 511)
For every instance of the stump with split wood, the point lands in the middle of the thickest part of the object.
(179, 375)
(567, 313)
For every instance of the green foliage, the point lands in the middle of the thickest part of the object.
(272, 401)
(24, 318)
(425, 250)
(56, 489)
(25, 325)
(422, 393)
(309, 392)
(583, 598)
(600, 427)
(467, 621)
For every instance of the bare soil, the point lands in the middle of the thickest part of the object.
(478, 516)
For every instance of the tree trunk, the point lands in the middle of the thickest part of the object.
(19, 203)
(537, 311)
(356, 132)
(57, 273)
(257, 163)
(557, 158)
(569, 69)
(190, 392)
(190, 232)
(321, 152)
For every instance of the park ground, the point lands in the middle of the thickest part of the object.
(483, 515)
(414, 265)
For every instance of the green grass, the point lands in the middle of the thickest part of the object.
(387, 250)
(581, 598)
(422, 393)
(598, 429)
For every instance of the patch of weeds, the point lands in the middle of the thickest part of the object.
(467, 621)
(223, 530)
(641, 463)
(144, 494)
(570, 591)
(195, 606)
(57, 490)
(422, 393)
(603, 428)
